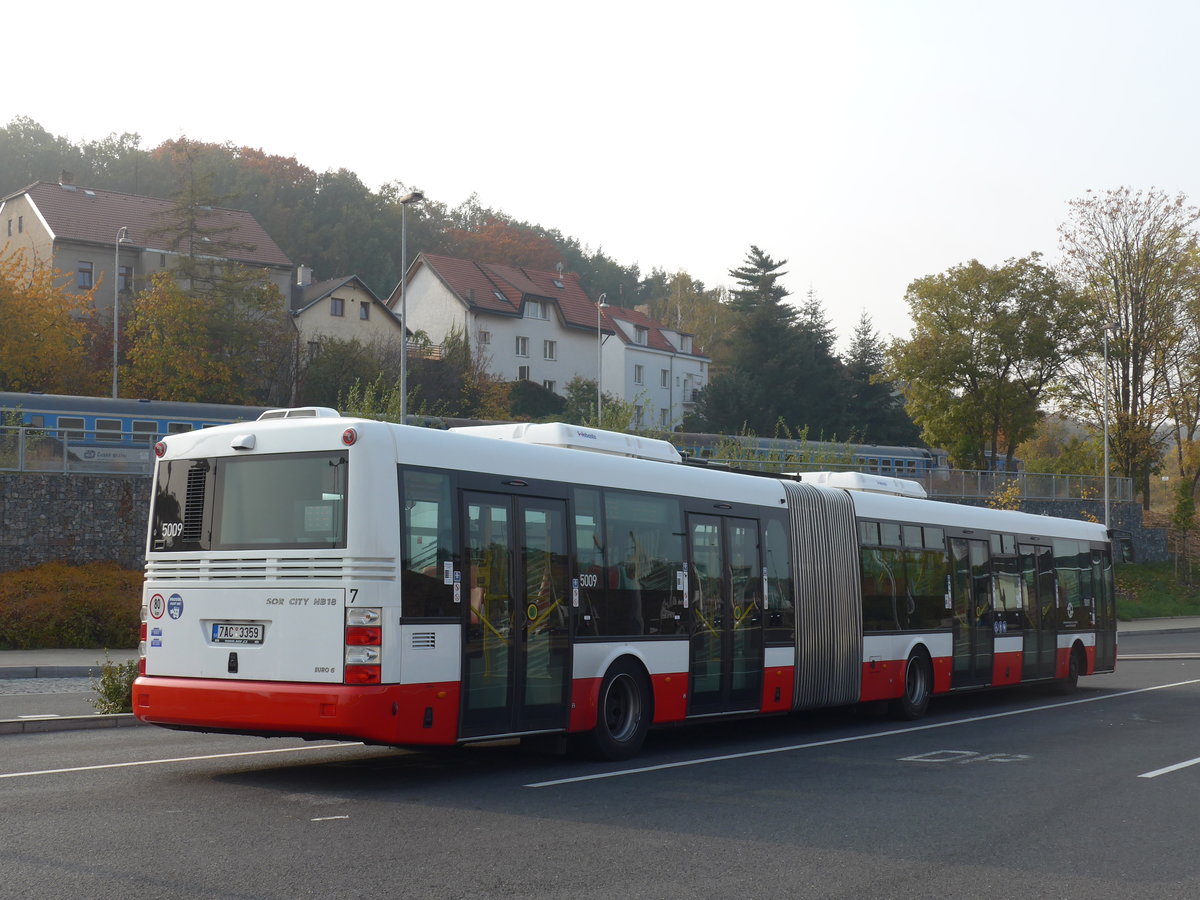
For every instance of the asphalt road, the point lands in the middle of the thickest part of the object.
(1011, 793)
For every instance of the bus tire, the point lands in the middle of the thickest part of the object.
(623, 712)
(918, 684)
(1071, 682)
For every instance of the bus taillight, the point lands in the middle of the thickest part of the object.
(362, 674)
(364, 637)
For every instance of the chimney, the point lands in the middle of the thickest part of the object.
(303, 276)
(65, 177)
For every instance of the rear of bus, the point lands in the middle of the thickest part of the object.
(267, 586)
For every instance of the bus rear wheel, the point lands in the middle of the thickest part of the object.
(1071, 682)
(623, 714)
(918, 683)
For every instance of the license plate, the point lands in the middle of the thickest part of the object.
(236, 633)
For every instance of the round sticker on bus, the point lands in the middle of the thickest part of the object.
(175, 606)
(532, 611)
(158, 606)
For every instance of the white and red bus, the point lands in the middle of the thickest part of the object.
(326, 577)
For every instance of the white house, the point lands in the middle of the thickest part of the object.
(542, 326)
(657, 369)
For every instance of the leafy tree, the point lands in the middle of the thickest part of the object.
(46, 341)
(875, 410)
(1134, 256)
(336, 365)
(232, 346)
(1062, 447)
(987, 343)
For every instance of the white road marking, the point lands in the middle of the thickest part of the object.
(850, 740)
(178, 759)
(328, 818)
(1169, 769)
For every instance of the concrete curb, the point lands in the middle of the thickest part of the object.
(67, 723)
(49, 672)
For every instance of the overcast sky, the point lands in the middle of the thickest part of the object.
(868, 143)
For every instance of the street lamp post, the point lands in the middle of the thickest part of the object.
(600, 307)
(413, 196)
(1108, 328)
(122, 236)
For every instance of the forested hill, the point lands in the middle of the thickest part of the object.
(330, 221)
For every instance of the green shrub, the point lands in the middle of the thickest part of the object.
(57, 605)
(114, 687)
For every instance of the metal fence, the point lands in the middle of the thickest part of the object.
(24, 449)
(972, 484)
(69, 451)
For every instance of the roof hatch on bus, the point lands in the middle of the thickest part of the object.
(574, 437)
(301, 412)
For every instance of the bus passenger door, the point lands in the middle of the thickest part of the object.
(973, 616)
(515, 639)
(1039, 587)
(726, 588)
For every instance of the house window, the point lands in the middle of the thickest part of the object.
(125, 278)
(639, 374)
(665, 378)
(548, 385)
(314, 350)
(85, 276)
(522, 373)
(686, 342)
(20, 224)
(664, 417)
(364, 310)
(641, 335)
(535, 309)
(550, 349)
(638, 416)
(10, 227)
(522, 346)
(485, 337)
(337, 306)
(162, 260)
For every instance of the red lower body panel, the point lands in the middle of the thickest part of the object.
(381, 714)
(777, 688)
(1006, 667)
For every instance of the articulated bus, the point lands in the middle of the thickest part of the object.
(326, 577)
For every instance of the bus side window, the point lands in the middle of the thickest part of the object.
(589, 561)
(427, 546)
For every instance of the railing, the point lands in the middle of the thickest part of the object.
(967, 484)
(25, 449)
(71, 451)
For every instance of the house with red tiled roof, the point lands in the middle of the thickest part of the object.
(658, 369)
(530, 324)
(85, 233)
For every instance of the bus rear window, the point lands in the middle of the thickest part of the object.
(281, 501)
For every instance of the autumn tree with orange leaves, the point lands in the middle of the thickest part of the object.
(45, 343)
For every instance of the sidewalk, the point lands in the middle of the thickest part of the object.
(62, 680)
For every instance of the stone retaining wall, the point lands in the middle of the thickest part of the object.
(72, 518)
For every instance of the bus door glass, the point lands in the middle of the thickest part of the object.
(1038, 589)
(516, 650)
(973, 625)
(726, 586)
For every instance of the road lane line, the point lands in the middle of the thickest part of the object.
(849, 740)
(178, 759)
(1167, 770)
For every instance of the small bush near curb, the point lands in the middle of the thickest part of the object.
(56, 606)
(114, 687)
